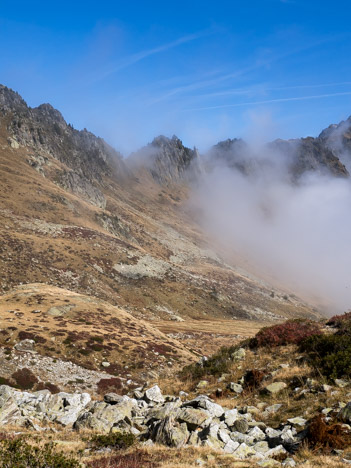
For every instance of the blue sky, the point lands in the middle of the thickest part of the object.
(203, 70)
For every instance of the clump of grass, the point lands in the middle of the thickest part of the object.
(116, 440)
(18, 453)
(137, 459)
(99, 339)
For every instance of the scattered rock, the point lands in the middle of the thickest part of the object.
(275, 387)
(154, 419)
(244, 451)
(202, 384)
(345, 413)
(193, 417)
(154, 394)
(341, 383)
(241, 425)
(25, 345)
(169, 433)
(289, 462)
(235, 387)
(238, 355)
(298, 421)
(230, 416)
(231, 446)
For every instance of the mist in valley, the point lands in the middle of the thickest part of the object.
(293, 229)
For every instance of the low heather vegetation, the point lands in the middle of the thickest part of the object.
(289, 332)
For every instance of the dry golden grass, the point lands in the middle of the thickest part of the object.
(206, 336)
(86, 331)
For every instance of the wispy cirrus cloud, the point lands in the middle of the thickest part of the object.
(272, 101)
(257, 64)
(137, 57)
(265, 88)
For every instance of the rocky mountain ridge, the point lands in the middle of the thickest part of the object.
(167, 159)
(296, 157)
(86, 157)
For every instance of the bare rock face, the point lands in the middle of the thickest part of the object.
(309, 154)
(291, 158)
(168, 160)
(338, 139)
(44, 129)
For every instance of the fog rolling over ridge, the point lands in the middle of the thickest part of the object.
(291, 222)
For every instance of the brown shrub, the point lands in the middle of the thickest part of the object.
(327, 436)
(136, 459)
(25, 378)
(289, 332)
(338, 320)
(109, 385)
(253, 379)
(115, 369)
(24, 335)
(48, 386)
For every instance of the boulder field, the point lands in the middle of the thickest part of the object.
(156, 419)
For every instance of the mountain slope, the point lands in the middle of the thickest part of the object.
(75, 216)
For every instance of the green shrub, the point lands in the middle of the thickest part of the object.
(215, 365)
(99, 339)
(117, 440)
(17, 453)
(330, 354)
(289, 332)
(96, 347)
(4, 381)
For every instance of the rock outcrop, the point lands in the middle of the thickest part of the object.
(283, 157)
(153, 418)
(87, 158)
(309, 155)
(338, 139)
(168, 160)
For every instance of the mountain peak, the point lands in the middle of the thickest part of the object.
(10, 100)
(48, 111)
(168, 160)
